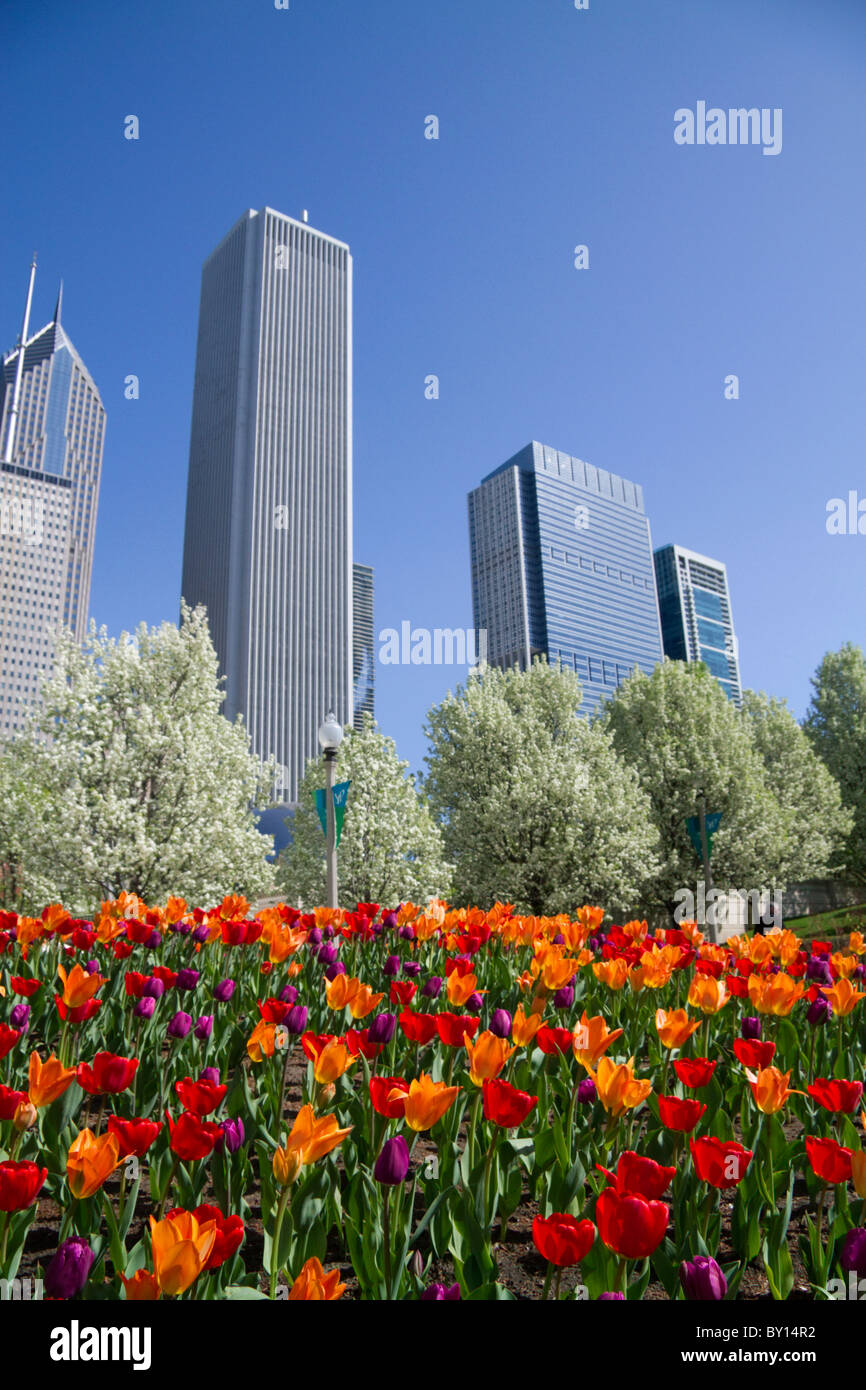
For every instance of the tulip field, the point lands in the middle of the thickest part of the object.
(428, 1104)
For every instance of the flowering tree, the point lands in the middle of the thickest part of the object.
(836, 727)
(535, 805)
(390, 847)
(141, 782)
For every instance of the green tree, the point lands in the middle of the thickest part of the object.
(534, 804)
(816, 822)
(143, 784)
(390, 848)
(836, 727)
(681, 733)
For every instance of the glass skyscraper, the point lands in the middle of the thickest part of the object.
(695, 609)
(562, 566)
(364, 656)
(52, 431)
(268, 542)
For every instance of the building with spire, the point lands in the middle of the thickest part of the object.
(52, 432)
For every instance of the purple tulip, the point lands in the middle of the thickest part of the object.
(184, 928)
(389, 919)
(475, 1003)
(819, 1011)
(187, 979)
(392, 1165)
(288, 994)
(179, 1025)
(382, 1028)
(609, 1297)
(854, 1252)
(751, 1028)
(328, 954)
(314, 937)
(154, 988)
(500, 1023)
(295, 1020)
(338, 968)
(703, 1280)
(412, 968)
(407, 933)
(433, 988)
(69, 1269)
(154, 941)
(328, 933)
(223, 992)
(144, 1007)
(391, 966)
(437, 1293)
(92, 967)
(20, 1017)
(559, 939)
(233, 1135)
(210, 1074)
(204, 1027)
(818, 969)
(587, 1091)
(564, 998)
(200, 934)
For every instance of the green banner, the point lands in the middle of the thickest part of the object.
(341, 796)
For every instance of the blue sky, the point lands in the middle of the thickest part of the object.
(556, 128)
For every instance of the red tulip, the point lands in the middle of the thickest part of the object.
(168, 977)
(78, 1013)
(695, 1072)
(562, 1239)
(418, 1028)
(133, 1136)
(8, 1039)
(109, 1075)
(134, 983)
(388, 1095)
(830, 1161)
(552, 1040)
(506, 1106)
(25, 987)
(191, 1137)
(452, 1028)
(314, 1043)
(402, 992)
(201, 1097)
(230, 1232)
(680, 1115)
(10, 1101)
(629, 1224)
(642, 1176)
(753, 1053)
(720, 1163)
(20, 1184)
(836, 1096)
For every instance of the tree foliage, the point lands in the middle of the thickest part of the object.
(836, 727)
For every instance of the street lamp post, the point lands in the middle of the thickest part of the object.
(705, 856)
(330, 738)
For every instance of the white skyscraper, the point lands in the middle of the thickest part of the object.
(268, 543)
(52, 431)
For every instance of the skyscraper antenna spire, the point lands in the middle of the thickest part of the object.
(8, 452)
(59, 304)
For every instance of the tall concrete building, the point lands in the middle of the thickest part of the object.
(695, 608)
(364, 663)
(52, 432)
(268, 544)
(562, 566)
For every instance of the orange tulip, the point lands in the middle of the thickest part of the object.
(47, 1080)
(775, 994)
(612, 973)
(427, 1102)
(556, 971)
(590, 918)
(708, 994)
(857, 943)
(341, 991)
(858, 1171)
(311, 1138)
(142, 1287)
(487, 1056)
(618, 1087)
(770, 1089)
(459, 988)
(364, 1001)
(524, 1029)
(844, 997)
(675, 1028)
(283, 940)
(313, 1284)
(844, 965)
(592, 1038)
(90, 1161)
(262, 1042)
(181, 1250)
(78, 986)
(334, 1059)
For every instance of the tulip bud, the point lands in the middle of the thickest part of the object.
(392, 1165)
(854, 1252)
(223, 992)
(751, 1028)
(187, 979)
(233, 1134)
(179, 1025)
(200, 934)
(338, 968)
(819, 1011)
(564, 998)
(287, 1166)
(20, 1017)
(433, 988)
(154, 988)
(437, 1293)
(610, 1297)
(184, 928)
(475, 1003)
(703, 1280)
(210, 1074)
(25, 1115)
(144, 1007)
(389, 919)
(92, 967)
(154, 940)
(587, 1091)
(391, 966)
(315, 937)
(412, 969)
(68, 1271)
(382, 1028)
(416, 1264)
(204, 1027)
(407, 933)
(559, 939)
(327, 955)
(295, 1020)
(500, 1023)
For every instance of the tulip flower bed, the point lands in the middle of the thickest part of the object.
(425, 1104)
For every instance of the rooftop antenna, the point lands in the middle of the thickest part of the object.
(305, 215)
(19, 368)
(59, 304)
